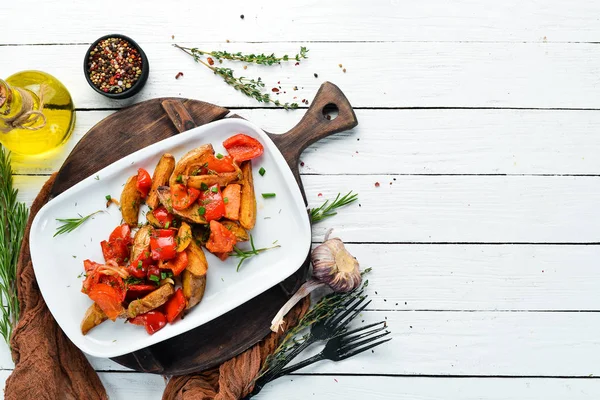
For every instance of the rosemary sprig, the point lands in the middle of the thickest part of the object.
(327, 209)
(261, 59)
(248, 86)
(70, 224)
(245, 254)
(326, 307)
(13, 217)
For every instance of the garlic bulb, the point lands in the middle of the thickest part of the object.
(333, 266)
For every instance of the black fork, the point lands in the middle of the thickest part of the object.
(345, 346)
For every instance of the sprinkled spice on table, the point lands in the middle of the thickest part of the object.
(114, 65)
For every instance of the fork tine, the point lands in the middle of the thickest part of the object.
(346, 339)
(362, 328)
(351, 346)
(348, 355)
(348, 305)
(340, 318)
(344, 304)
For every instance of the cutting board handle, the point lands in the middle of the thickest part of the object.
(314, 125)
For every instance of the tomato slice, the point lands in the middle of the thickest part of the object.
(178, 264)
(144, 182)
(212, 201)
(164, 217)
(243, 147)
(162, 244)
(221, 239)
(108, 299)
(175, 305)
(182, 197)
(153, 321)
(138, 291)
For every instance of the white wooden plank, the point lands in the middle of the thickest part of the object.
(477, 209)
(477, 343)
(413, 388)
(134, 386)
(474, 344)
(541, 75)
(421, 142)
(396, 20)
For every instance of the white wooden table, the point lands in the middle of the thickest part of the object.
(479, 119)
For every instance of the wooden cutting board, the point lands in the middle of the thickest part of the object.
(142, 124)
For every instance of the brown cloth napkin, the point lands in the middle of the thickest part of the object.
(49, 366)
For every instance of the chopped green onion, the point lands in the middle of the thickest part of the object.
(107, 197)
(214, 189)
(225, 200)
(154, 278)
(179, 179)
(219, 156)
(201, 211)
(203, 186)
(139, 266)
(268, 195)
(262, 171)
(163, 275)
(167, 225)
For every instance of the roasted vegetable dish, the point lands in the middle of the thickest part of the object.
(155, 270)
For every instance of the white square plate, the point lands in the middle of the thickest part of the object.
(58, 261)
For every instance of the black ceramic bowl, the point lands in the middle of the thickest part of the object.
(137, 86)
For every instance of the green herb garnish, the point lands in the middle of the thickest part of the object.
(108, 197)
(243, 255)
(133, 281)
(70, 224)
(262, 171)
(179, 179)
(225, 200)
(219, 156)
(327, 209)
(214, 189)
(201, 210)
(203, 186)
(268, 195)
(154, 278)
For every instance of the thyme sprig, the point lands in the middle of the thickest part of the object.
(261, 59)
(246, 254)
(250, 87)
(13, 217)
(325, 308)
(327, 209)
(70, 224)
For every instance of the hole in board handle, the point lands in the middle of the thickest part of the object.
(331, 111)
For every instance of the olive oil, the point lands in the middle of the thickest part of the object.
(36, 113)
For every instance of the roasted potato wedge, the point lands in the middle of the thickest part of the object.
(130, 202)
(141, 241)
(222, 179)
(240, 233)
(248, 201)
(190, 214)
(150, 301)
(197, 263)
(184, 236)
(193, 288)
(93, 317)
(162, 173)
(190, 161)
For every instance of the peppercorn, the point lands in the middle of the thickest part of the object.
(114, 65)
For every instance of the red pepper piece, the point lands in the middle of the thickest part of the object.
(212, 201)
(153, 321)
(144, 182)
(243, 147)
(162, 244)
(164, 217)
(108, 299)
(175, 306)
(138, 291)
(177, 264)
(221, 239)
(182, 197)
